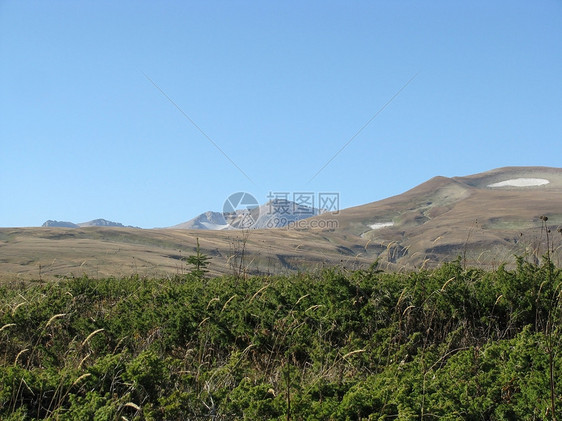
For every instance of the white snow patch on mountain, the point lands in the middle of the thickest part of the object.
(380, 225)
(521, 182)
(218, 227)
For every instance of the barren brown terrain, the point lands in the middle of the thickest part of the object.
(33, 253)
(462, 216)
(439, 220)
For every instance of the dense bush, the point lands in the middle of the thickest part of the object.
(449, 343)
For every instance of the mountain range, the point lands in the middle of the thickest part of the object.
(94, 223)
(276, 213)
(485, 218)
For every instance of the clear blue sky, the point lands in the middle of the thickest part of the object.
(279, 86)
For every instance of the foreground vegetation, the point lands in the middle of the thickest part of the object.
(450, 343)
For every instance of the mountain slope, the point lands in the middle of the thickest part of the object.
(206, 221)
(485, 218)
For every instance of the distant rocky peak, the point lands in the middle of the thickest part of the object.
(59, 224)
(101, 223)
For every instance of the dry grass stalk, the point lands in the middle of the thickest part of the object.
(18, 306)
(133, 405)
(19, 353)
(446, 283)
(302, 298)
(211, 301)
(228, 301)
(83, 376)
(119, 343)
(247, 349)
(6, 326)
(349, 354)
(56, 316)
(400, 298)
(91, 334)
(83, 359)
(408, 308)
(28, 388)
(258, 291)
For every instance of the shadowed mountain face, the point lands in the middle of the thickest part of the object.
(485, 219)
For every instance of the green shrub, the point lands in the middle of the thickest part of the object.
(451, 343)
